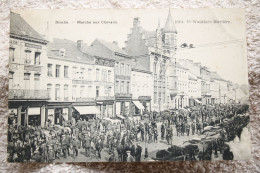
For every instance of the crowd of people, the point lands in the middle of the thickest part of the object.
(120, 139)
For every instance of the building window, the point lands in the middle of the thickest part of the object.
(128, 87)
(36, 81)
(27, 56)
(97, 74)
(89, 91)
(109, 91)
(66, 92)
(109, 76)
(155, 97)
(154, 68)
(37, 60)
(49, 88)
(57, 92)
(66, 72)
(74, 72)
(122, 71)
(117, 68)
(27, 80)
(74, 92)
(89, 74)
(11, 54)
(57, 71)
(82, 88)
(82, 71)
(97, 91)
(11, 77)
(122, 87)
(127, 70)
(104, 75)
(49, 70)
(117, 87)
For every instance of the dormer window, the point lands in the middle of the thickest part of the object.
(62, 52)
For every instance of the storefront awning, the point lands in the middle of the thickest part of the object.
(120, 116)
(138, 104)
(196, 100)
(34, 111)
(87, 110)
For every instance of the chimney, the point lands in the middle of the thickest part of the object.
(115, 43)
(80, 44)
(136, 22)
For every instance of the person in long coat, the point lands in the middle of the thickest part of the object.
(162, 131)
(138, 153)
(87, 145)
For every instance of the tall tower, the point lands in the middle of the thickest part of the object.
(169, 36)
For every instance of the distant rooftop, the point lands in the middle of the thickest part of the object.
(19, 27)
(72, 52)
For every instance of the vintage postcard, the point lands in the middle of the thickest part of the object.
(128, 85)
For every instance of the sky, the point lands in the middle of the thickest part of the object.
(221, 47)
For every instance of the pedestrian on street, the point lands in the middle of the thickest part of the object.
(129, 158)
(138, 153)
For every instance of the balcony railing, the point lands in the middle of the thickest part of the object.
(28, 94)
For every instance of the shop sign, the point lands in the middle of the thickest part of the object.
(33, 46)
(144, 98)
(103, 98)
(123, 95)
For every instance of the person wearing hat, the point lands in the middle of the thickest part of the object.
(129, 157)
(87, 144)
(74, 147)
(138, 153)
(50, 154)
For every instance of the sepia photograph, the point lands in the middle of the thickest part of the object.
(128, 85)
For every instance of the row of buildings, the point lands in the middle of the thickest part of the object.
(55, 81)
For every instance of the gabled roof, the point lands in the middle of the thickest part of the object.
(113, 47)
(72, 52)
(106, 50)
(150, 37)
(214, 75)
(137, 66)
(192, 77)
(19, 27)
(169, 25)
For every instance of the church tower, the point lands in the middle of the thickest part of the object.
(169, 36)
